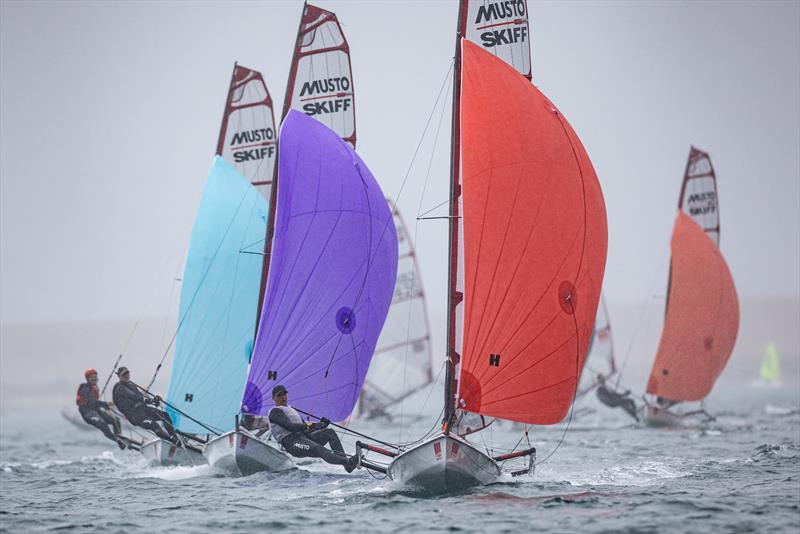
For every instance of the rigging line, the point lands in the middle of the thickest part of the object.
(424, 131)
(416, 233)
(149, 298)
(445, 83)
(210, 429)
(197, 291)
(574, 394)
(642, 313)
(437, 206)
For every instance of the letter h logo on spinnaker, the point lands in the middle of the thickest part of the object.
(189, 397)
(272, 375)
(494, 360)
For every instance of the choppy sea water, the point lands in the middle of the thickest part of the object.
(738, 474)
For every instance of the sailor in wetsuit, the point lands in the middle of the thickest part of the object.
(134, 406)
(305, 440)
(94, 411)
(611, 398)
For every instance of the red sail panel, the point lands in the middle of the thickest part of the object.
(535, 242)
(702, 319)
(247, 136)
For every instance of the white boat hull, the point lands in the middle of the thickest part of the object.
(161, 452)
(659, 417)
(444, 464)
(240, 454)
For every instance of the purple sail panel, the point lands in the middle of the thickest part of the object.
(331, 277)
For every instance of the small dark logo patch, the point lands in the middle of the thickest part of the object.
(189, 397)
(567, 297)
(345, 320)
(494, 360)
(664, 372)
(708, 342)
(272, 375)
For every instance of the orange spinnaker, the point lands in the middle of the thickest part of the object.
(535, 243)
(702, 317)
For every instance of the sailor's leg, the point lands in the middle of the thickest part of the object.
(630, 407)
(163, 418)
(94, 418)
(148, 422)
(302, 447)
(327, 436)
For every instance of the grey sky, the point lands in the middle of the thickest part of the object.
(110, 113)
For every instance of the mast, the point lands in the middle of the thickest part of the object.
(454, 297)
(223, 127)
(273, 197)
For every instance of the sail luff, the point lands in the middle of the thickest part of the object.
(287, 97)
(454, 298)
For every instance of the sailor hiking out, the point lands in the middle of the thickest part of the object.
(302, 439)
(96, 412)
(136, 408)
(613, 399)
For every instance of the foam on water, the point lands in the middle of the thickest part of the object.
(740, 472)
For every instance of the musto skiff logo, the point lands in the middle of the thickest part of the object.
(329, 95)
(256, 144)
(702, 203)
(504, 22)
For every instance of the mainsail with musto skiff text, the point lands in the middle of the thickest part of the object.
(247, 137)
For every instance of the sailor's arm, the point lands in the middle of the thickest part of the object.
(277, 417)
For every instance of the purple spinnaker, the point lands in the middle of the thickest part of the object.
(331, 276)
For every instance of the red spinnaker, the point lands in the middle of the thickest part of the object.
(702, 318)
(535, 242)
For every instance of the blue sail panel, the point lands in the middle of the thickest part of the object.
(219, 299)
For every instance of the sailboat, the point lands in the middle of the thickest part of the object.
(332, 268)
(527, 253)
(770, 369)
(702, 315)
(216, 318)
(218, 303)
(320, 85)
(405, 342)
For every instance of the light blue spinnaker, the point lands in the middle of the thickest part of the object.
(219, 299)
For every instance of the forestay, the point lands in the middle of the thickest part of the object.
(702, 318)
(600, 360)
(534, 234)
(218, 302)
(320, 79)
(501, 28)
(402, 364)
(331, 275)
(247, 137)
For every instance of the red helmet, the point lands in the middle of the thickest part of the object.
(89, 372)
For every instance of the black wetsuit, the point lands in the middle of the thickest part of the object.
(305, 442)
(134, 406)
(613, 399)
(95, 412)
